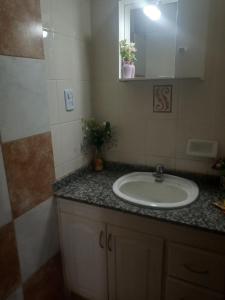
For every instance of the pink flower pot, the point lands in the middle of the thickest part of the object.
(133, 71)
(127, 70)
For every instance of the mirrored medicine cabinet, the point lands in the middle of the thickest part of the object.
(169, 36)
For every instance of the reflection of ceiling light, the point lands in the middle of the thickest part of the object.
(45, 33)
(152, 11)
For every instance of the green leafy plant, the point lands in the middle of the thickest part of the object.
(220, 165)
(96, 135)
(127, 51)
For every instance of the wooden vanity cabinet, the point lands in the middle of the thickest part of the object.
(84, 256)
(134, 265)
(133, 261)
(109, 255)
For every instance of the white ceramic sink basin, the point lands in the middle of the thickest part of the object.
(141, 188)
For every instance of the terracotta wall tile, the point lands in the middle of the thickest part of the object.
(9, 263)
(47, 283)
(30, 171)
(21, 28)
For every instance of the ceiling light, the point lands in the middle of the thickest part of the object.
(152, 12)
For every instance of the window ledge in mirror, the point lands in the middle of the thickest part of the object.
(145, 79)
(160, 78)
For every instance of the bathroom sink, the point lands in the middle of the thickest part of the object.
(143, 189)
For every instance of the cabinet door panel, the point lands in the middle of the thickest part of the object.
(178, 290)
(197, 266)
(135, 265)
(84, 256)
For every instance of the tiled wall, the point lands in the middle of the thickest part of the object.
(67, 50)
(28, 221)
(146, 137)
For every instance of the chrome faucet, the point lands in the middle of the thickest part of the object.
(159, 174)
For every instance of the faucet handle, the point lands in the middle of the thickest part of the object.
(160, 168)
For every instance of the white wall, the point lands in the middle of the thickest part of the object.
(67, 51)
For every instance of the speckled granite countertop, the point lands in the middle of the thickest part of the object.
(93, 188)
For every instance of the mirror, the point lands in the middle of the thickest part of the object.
(168, 38)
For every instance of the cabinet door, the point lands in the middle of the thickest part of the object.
(179, 290)
(83, 244)
(135, 265)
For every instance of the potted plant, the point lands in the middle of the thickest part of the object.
(220, 166)
(97, 136)
(128, 57)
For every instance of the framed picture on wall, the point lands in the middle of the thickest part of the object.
(162, 98)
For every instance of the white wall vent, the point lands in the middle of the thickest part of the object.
(202, 148)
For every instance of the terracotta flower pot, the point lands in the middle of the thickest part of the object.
(98, 163)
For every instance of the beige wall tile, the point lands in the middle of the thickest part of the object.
(188, 129)
(52, 101)
(59, 52)
(5, 207)
(194, 166)
(105, 42)
(126, 157)
(84, 100)
(161, 138)
(219, 135)
(46, 13)
(71, 137)
(132, 136)
(63, 16)
(82, 60)
(169, 163)
(23, 100)
(37, 237)
(63, 55)
(105, 67)
(135, 100)
(107, 104)
(67, 139)
(196, 99)
(83, 26)
(59, 171)
(69, 17)
(49, 55)
(70, 166)
(68, 60)
(57, 144)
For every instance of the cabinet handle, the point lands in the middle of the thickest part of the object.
(110, 242)
(101, 241)
(193, 270)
